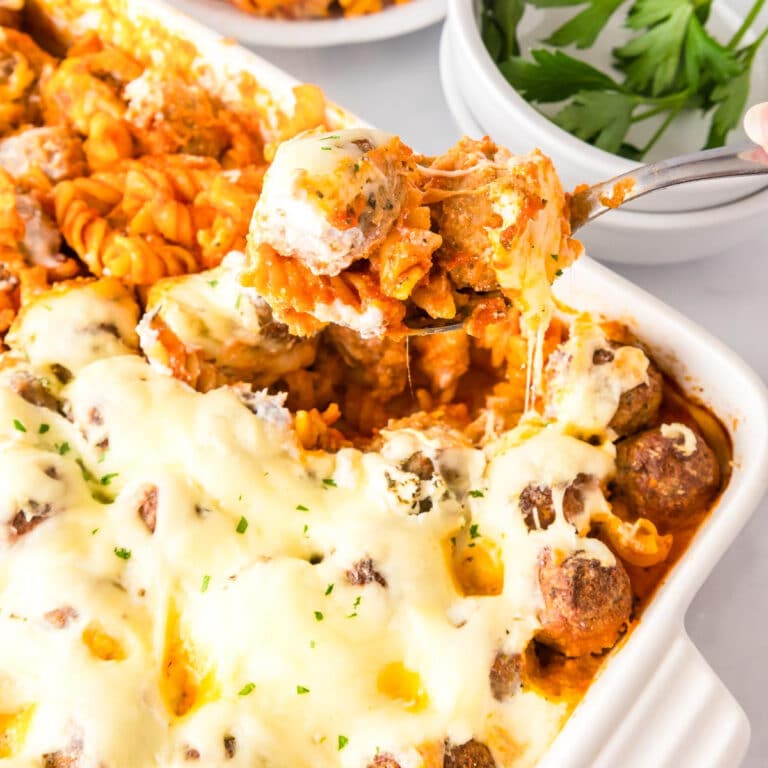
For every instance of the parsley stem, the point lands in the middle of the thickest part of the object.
(650, 113)
(746, 24)
(752, 48)
(673, 113)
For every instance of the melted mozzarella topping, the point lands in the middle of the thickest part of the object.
(324, 201)
(683, 437)
(583, 392)
(176, 580)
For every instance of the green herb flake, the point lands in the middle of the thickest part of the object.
(474, 531)
(123, 553)
(328, 589)
(237, 302)
(248, 688)
(242, 525)
(554, 257)
(330, 138)
(19, 426)
(343, 741)
(559, 273)
(319, 616)
(327, 149)
(94, 531)
(306, 530)
(475, 494)
(356, 167)
(107, 479)
(329, 482)
(205, 583)
(312, 644)
(212, 283)
(62, 449)
(43, 428)
(301, 508)
(301, 690)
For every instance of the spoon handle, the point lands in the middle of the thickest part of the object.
(738, 160)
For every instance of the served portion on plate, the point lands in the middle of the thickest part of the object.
(313, 23)
(246, 519)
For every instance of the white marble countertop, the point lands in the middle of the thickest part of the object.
(395, 85)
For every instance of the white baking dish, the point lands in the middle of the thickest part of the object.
(657, 703)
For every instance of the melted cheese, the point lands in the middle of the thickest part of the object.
(187, 588)
(584, 394)
(683, 437)
(315, 192)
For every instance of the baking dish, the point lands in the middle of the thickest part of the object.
(658, 655)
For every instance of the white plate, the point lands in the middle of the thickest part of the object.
(396, 20)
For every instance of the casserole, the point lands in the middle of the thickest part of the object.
(575, 299)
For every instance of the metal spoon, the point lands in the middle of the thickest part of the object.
(589, 203)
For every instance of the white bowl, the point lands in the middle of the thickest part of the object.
(313, 33)
(509, 119)
(629, 236)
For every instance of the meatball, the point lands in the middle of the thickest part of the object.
(640, 405)
(538, 509)
(665, 477)
(364, 572)
(53, 149)
(505, 675)
(384, 761)
(472, 754)
(586, 605)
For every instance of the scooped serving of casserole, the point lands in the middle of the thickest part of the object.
(247, 519)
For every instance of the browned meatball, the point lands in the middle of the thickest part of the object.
(538, 509)
(505, 675)
(472, 754)
(639, 406)
(383, 761)
(660, 482)
(586, 605)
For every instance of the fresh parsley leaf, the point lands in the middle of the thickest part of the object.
(554, 76)
(107, 479)
(123, 553)
(329, 482)
(246, 689)
(583, 29)
(731, 99)
(493, 37)
(62, 448)
(205, 583)
(43, 428)
(703, 54)
(319, 616)
(600, 117)
(328, 589)
(474, 531)
(652, 60)
(507, 14)
(242, 525)
(301, 508)
(19, 426)
(301, 690)
(343, 741)
(476, 494)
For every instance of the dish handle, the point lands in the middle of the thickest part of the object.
(684, 718)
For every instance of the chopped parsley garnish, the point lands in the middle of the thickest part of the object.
(94, 531)
(301, 508)
(123, 553)
(356, 167)
(306, 530)
(301, 690)
(330, 138)
(355, 606)
(107, 479)
(327, 149)
(62, 448)
(18, 425)
(242, 525)
(329, 482)
(312, 643)
(206, 582)
(240, 497)
(246, 689)
(212, 283)
(559, 272)
(43, 428)
(343, 741)
(474, 531)
(554, 256)
(237, 302)
(329, 589)
(476, 494)
(319, 616)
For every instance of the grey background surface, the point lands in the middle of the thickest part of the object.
(395, 85)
